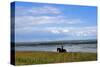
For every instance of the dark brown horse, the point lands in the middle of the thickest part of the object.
(61, 49)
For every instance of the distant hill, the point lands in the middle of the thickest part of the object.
(57, 42)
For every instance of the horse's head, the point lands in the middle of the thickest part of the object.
(58, 49)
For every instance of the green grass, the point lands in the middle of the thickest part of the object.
(32, 57)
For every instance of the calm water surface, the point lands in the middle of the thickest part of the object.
(69, 47)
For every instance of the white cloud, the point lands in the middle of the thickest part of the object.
(27, 21)
(45, 10)
(74, 31)
(84, 31)
(65, 31)
(55, 31)
(40, 10)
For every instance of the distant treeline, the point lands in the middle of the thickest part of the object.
(56, 42)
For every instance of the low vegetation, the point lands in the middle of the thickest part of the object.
(39, 57)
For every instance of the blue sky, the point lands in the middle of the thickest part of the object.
(49, 22)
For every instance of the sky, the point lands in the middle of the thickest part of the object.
(52, 22)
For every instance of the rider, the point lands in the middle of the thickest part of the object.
(62, 47)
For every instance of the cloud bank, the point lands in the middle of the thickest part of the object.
(50, 20)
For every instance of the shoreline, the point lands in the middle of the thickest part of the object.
(56, 51)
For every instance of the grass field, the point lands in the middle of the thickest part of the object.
(37, 57)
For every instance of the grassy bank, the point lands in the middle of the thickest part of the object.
(26, 58)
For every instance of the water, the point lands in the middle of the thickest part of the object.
(69, 47)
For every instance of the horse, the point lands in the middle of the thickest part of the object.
(64, 50)
(61, 50)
